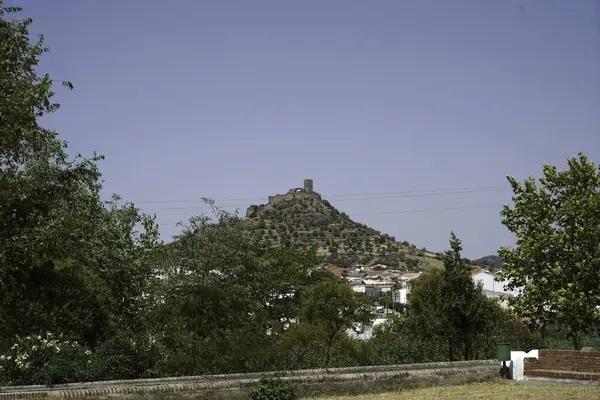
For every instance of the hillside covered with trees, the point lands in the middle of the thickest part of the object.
(491, 262)
(302, 219)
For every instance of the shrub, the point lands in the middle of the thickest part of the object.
(46, 359)
(394, 343)
(126, 356)
(272, 389)
(301, 346)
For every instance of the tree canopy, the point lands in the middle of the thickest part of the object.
(69, 262)
(556, 259)
(448, 304)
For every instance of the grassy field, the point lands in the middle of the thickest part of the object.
(492, 390)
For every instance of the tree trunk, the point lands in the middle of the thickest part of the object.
(467, 350)
(543, 332)
(450, 350)
(330, 341)
(576, 340)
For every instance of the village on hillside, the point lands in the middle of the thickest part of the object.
(389, 288)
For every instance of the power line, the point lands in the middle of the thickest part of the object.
(426, 191)
(403, 195)
(430, 210)
(406, 211)
(360, 194)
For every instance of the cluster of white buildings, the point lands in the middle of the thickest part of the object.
(379, 281)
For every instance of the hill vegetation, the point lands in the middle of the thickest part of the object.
(301, 218)
(491, 262)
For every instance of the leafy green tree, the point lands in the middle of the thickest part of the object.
(218, 285)
(199, 295)
(448, 304)
(556, 258)
(394, 342)
(20, 134)
(68, 263)
(427, 302)
(198, 268)
(301, 346)
(412, 263)
(332, 305)
(502, 325)
(121, 253)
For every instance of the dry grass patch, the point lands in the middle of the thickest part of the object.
(488, 390)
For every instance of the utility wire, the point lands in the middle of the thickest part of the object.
(360, 194)
(404, 211)
(430, 210)
(426, 191)
(402, 195)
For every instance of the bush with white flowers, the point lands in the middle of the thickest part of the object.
(44, 359)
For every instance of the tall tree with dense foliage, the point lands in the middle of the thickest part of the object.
(556, 259)
(68, 263)
(218, 288)
(448, 304)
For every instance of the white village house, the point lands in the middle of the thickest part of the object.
(491, 288)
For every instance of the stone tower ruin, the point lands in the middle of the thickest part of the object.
(308, 185)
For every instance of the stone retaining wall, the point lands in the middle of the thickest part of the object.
(306, 382)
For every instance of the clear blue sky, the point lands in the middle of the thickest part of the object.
(244, 99)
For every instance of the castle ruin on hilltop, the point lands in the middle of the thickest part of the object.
(306, 191)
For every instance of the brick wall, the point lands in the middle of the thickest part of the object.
(564, 364)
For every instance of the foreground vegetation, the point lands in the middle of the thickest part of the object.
(90, 292)
(491, 390)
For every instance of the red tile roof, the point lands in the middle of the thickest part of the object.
(336, 271)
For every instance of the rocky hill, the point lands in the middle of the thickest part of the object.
(302, 218)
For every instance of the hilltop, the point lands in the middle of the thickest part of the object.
(492, 262)
(302, 218)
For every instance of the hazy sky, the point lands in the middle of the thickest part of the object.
(238, 100)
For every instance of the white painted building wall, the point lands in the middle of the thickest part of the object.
(491, 288)
(401, 296)
(364, 332)
(359, 288)
(377, 282)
